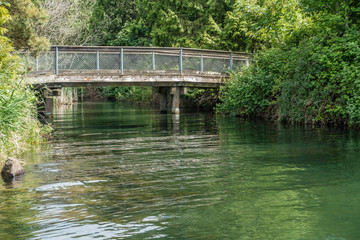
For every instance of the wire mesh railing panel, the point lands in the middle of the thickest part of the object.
(134, 58)
(73, 61)
(109, 61)
(138, 61)
(216, 64)
(192, 63)
(238, 64)
(164, 62)
(46, 61)
(28, 61)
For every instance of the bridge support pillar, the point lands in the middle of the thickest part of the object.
(49, 105)
(49, 100)
(163, 92)
(176, 92)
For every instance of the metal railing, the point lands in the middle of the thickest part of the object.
(182, 60)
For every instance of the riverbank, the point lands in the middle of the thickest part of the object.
(19, 126)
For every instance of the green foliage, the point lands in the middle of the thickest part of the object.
(273, 21)
(307, 64)
(68, 21)
(310, 72)
(201, 24)
(249, 92)
(316, 81)
(133, 34)
(201, 98)
(129, 94)
(4, 17)
(109, 17)
(18, 123)
(25, 16)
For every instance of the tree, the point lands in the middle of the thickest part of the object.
(18, 122)
(200, 23)
(309, 72)
(273, 21)
(109, 18)
(68, 21)
(25, 16)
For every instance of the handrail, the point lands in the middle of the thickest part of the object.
(122, 58)
(117, 48)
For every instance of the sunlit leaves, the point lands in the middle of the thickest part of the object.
(25, 16)
(68, 21)
(273, 21)
(18, 123)
(199, 23)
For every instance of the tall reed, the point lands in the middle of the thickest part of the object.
(68, 96)
(19, 127)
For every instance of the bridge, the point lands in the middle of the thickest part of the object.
(169, 70)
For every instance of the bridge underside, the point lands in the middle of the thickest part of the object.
(167, 82)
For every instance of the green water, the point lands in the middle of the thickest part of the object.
(122, 172)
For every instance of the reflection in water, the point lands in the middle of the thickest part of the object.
(175, 119)
(116, 172)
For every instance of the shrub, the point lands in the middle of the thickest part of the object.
(19, 126)
(315, 81)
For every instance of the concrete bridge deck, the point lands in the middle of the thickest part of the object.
(111, 78)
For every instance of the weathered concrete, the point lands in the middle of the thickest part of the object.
(175, 107)
(49, 105)
(163, 92)
(113, 78)
(163, 80)
(12, 169)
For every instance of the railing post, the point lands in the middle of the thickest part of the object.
(56, 60)
(97, 60)
(180, 61)
(37, 63)
(202, 63)
(122, 60)
(231, 61)
(247, 62)
(153, 61)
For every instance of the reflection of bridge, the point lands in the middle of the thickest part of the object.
(164, 68)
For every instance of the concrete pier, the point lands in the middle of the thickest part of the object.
(49, 95)
(175, 107)
(176, 92)
(49, 105)
(163, 92)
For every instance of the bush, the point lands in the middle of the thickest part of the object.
(129, 94)
(19, 126)
(315, 81)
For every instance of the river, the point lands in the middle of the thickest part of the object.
(114, 171)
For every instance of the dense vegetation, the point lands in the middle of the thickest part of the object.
(310, 70)
(199, 23)
(19, 126)
(143, 95)
(306, 52)
(306, 61)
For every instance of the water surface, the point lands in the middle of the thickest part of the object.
(124, 172)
